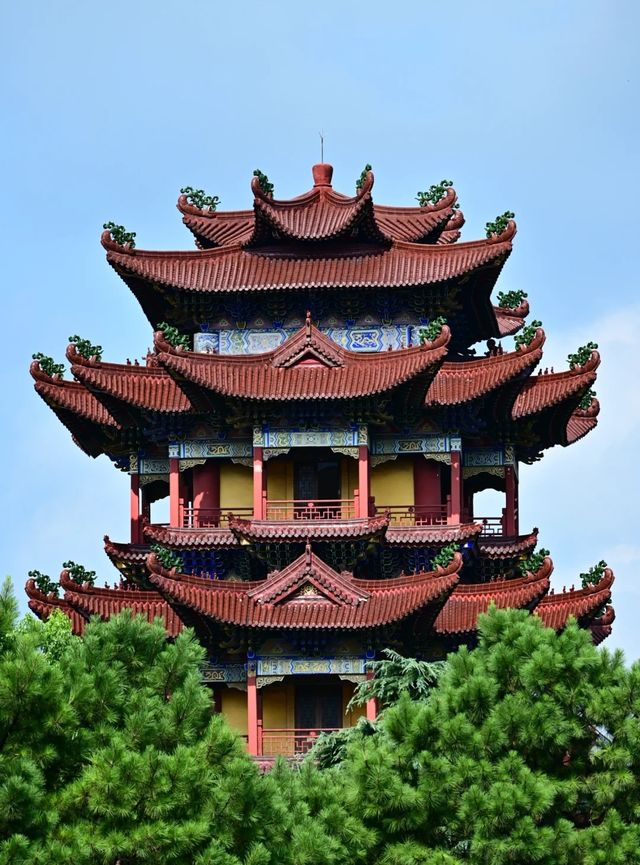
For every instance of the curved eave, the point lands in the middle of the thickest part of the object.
(582, 604)
(421, 536)
(93, 601)
(510, 321)
(457, 383)
(601, 627)
(263, 531)
(129, 559)
(43, 605)
(581, 422)
(459, 615)
(190, 539)
(236, 269)
(141, 387)
(505, 548)
(543, 392)
(231, 603)
(261, 378)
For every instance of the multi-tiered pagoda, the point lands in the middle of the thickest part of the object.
(316, 415)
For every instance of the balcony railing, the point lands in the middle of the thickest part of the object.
(491, 526)
(211, 518)
(410, 515)
(282, 742)
(289, 510)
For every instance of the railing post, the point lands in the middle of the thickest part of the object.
(252, 710)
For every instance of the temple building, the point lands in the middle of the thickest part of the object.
(327, 395)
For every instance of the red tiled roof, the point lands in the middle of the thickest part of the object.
(461, 382)
(43, 605)
(511, 320)
(72, 397)
(601, 627)
(335, 374)
(404, 536)
(460, 613)
(545, 391)
(233, 268)
(105, 603)
(582, 421)
(125, 554)
(145, 387)
(307, 594)
(501, 548)
(322, 214)
(181, 539)
(314, 530)
(555, 609)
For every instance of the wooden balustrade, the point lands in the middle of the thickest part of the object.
(410, 515)
(283, 742)
(210, 518)
(289, 510)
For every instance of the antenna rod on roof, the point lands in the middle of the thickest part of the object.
(321, 146)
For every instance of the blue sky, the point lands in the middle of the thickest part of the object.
(110, 108)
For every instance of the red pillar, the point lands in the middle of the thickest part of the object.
(258, 483)
(363, 480)
(206, 494)
(371, 704)
(174, 493)
(135, 509)
(456, 488)
(252, 715)
(511, 509)
(145, 507)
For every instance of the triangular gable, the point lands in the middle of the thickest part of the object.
(308, 574)
(308, 344)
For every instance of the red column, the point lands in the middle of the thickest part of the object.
(456, 488)
(511, 509)
(174, 493)
(363, 480)
(135, 509)
(371, 704)
(206, 493)
(145, 507)
(258, 483)
(252, 713)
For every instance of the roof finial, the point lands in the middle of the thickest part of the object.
(321, 146)
(307, 324)
(307, 553)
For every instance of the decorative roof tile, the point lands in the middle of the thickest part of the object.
(334, 373)
(43, 605)
(145, 387)
(502, 548)
(426, 535)
(90, 601)
(460, 613)
(307, 594)
(72, 397)
(457, 383)
(583, 604)
(511, 320)
(187, 539)
(303, 530)
(545, 391)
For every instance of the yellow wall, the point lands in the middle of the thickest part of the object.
(234, 708)
(350, 718)
(279, 479)
(348, 477)
(278, 713)
(236, 486)
(392, 482)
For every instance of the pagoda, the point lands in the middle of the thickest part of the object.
(326, 395)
